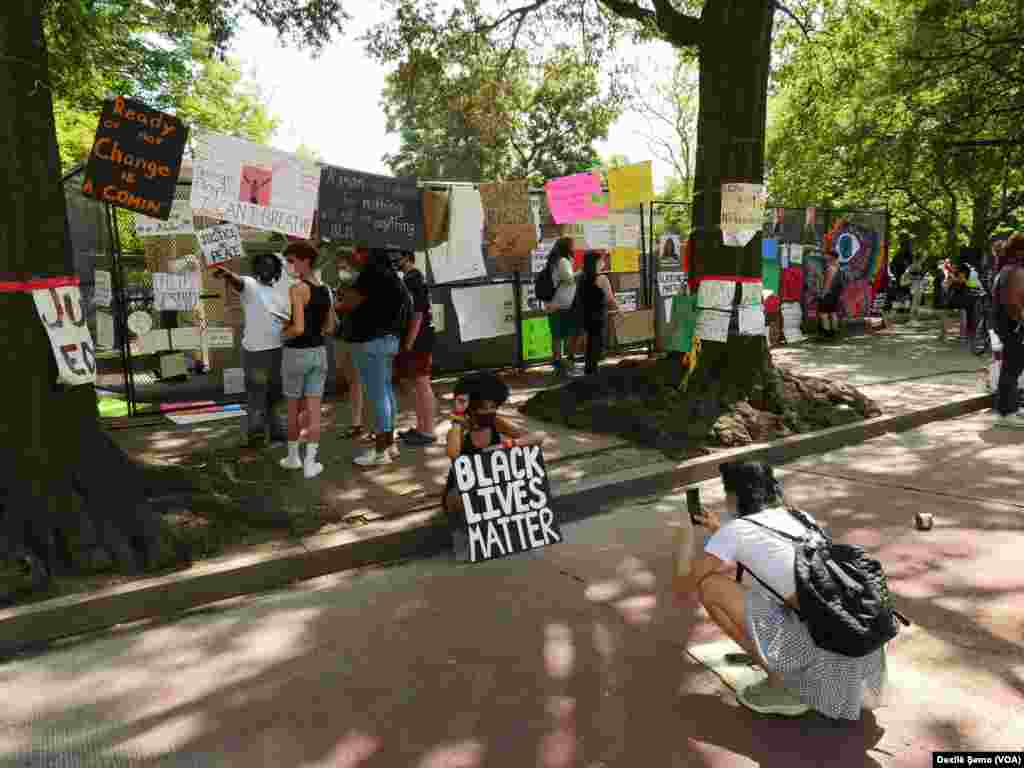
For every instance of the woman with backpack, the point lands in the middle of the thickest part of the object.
(598, 301)
(556, 286)
(773, 616)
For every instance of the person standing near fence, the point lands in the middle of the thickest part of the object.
(828, 304)
(565, 315)
(345, 363)
(598, 301)
(265, 310)
(415, 356)
(1008, 323)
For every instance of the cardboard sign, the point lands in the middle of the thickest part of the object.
(220, 244)
(742, 213)
(370, 210)
(60, 311)
(102, 290)
(537, 343)
(175, 292)
(506, 502)
(511, 246)
(576, 197)
(631, 185)
(435, 218)
(135, 158)
(180, 222)
(634, 327)
(253, 185)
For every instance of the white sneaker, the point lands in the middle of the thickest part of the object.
(289, 463)
(312, 469)
(373, 459)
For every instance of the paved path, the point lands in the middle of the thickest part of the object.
(572, 656)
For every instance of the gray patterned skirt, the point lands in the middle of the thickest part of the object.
(837, 686)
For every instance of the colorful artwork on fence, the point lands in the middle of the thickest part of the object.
(858, 243)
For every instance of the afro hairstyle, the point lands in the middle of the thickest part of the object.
(482, 386)
(754, 485)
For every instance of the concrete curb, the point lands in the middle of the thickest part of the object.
(417, 534)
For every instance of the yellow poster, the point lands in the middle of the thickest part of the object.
(631, 185)
(625, 259)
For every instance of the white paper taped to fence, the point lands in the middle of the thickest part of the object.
(627, 300)
(253, 185)
(713, 325)
(102, 290)
(437, 315)
(220, 244)
(716, 294)
(220, 337)
(751, 294)
(751, 320)
(234, 381)
(796, 254)
(461, 257)
(186, 338)
(485, 311)
(60, 311)
(599, 235)
(180, 222)
(104, 330)
(671, 283)
(175, 292)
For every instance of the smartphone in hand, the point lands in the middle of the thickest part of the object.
(693, 504)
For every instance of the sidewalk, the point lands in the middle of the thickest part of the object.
(430, 664)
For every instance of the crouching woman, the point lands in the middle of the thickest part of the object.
(477, 427)
(801, 676)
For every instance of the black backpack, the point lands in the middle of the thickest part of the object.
(544, 284)
(843, 593)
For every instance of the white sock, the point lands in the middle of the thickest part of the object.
(293, 450)
(311, 449)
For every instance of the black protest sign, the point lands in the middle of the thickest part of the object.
(370, 210)
(506, 502)
(135, 158)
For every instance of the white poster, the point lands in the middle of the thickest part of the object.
(180, 222)
(539, 257)
(186, 338)
(796, 254)
(671, 283)
(462, 257)
(751, 320)
(668, 309)
(220, 337)
(220, 244)
(173, 365)
(437, 315)
(102, 291)
(599, 235)
(627, 300)
(742, 213)
(484, 312)
(716, 294)
(176, 292)
(751, 293)
(104, 330)
(140, 323)
(253, 185)
(60, 311)
(626, 229)
(713, 325)
(234, 381)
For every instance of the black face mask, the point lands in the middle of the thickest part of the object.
(485, 420)
(267, 272)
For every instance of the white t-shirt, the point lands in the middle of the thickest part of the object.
(565, 285)
(262, 329)
(767, 554)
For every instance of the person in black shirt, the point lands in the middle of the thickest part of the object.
(415, 357)
(374, 305)
(304, 359)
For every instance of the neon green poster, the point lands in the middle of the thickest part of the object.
(683, 323)
(536, 338)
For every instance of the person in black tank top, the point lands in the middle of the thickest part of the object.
(597, 300)
(304, 359)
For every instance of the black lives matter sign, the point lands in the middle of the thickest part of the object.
(370, 210)
(506, 501)
(135, 158)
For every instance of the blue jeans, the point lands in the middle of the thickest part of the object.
(375, 361)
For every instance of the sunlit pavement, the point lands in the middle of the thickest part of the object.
(572, 656)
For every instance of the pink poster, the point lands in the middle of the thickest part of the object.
(577, 197)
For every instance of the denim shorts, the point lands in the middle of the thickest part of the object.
(304, 372)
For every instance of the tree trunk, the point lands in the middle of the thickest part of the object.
(52, 447)
(981, 210)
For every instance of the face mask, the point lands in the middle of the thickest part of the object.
(346, 275)
(485, 420)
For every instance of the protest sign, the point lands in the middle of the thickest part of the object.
(713, 325)
(631, 185)
(135, 158)
(742, 213)
(683, 323)
(510, 232)
(716, 294)
(370, 210)
(173, 365)
(506, 502)
(437, 315)
(576, 197)
(188, 337)
(179, 222)
(60, 310)
(671, 283)
(627, 300)
(751, 320)
(537, 343)
(461, 257)
(175, 292)
(253, 185)
(140, 323)
(102, 290)
(625, 259)
(220, 244)
(104, 330)
(484, 311)
(634, 327)
(220, 338)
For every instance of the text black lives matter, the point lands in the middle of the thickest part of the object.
(506, 502)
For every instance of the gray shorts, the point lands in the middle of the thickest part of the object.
(304, 372)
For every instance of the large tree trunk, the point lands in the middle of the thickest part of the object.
(51, 448)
